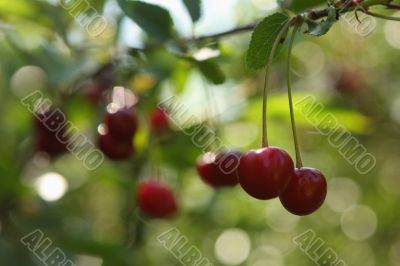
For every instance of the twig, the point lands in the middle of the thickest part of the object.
(314, 14)
(393, 6)
(241, 29)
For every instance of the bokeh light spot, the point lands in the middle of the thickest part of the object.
(359, 222)
(51, 186)
(232, 247)
(342, 193)
(279, 219)
(392, 32)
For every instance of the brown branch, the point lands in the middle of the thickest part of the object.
(393, 6)
(241, 29)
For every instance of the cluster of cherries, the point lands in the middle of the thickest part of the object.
(155, 199)
(119, 128)
(265, 174)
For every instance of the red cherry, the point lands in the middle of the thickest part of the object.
(159, 122)
(156, 199)
(115, 149)
(264, 173)
(50, 132)
(219, 170)
(356, 2)
(349, 81)
(306, 191)
(121, 124)
(48, 143)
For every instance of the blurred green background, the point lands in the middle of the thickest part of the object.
(87, 213)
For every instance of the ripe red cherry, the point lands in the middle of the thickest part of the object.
(159, 122)
(306, 191)
(115, 149)
(121, 124)
(47, 142)
(156, 199)
(349, 81)
(53, 142)
(219, 170)
(264, 173)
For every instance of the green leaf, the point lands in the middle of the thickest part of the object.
(194, 9)
(321, 28)
(180, 75)
(263, 38)
(153, 19)
(211, 71)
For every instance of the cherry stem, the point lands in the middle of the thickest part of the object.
(381, 16)
(211, 112)
(265, 91)
(393, 6)
(299, 163)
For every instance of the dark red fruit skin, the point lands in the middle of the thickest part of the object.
(156, 199)
(349, 81)
(220, 172)
(159, 122)
(121, 124)
(356, 2)
(265, 173)
(46, 140)
(115, 149)
(305, 193)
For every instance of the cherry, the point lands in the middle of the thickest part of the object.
(306, 191)
(264, 173)
(159, 122)
(156, 199)
(349, 81)
(47, 142)
(121, 124)
(115, 149)
(50, 137)
(219, 170)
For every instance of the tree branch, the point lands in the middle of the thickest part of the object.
(313, 14)
(241, 29)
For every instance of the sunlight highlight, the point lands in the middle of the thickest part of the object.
(51, 186)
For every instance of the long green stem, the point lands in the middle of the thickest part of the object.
(375, 2)
(382, 16)
(211, 111)
(265, 91)
(299, 163)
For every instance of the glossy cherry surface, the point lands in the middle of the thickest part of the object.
(115, 149)
(121, 124)
(156, 199)
(159, 122)
(265, 173)
(49, 141)
(306, 191)
(219, 170)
